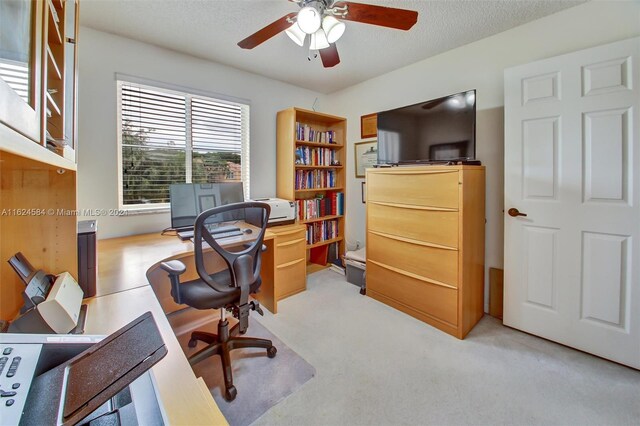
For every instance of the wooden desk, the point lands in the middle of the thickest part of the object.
(130, 282)
(130, 262)
(185, 399)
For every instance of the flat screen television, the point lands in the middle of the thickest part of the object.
(188, 200)
(436, 131)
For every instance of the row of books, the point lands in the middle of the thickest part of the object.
(330, 205)
(322, 231)
(316, 156)
(310, 179)
(306, 133)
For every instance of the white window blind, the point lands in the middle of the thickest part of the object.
(168, 136)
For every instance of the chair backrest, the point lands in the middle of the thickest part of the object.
(244, 265)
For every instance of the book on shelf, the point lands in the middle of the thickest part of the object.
(322, 231)
(308, 156)
(331, 204)
(306, 133)
(311, 179)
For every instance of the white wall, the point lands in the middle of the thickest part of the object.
(479, 65)
(101, 56)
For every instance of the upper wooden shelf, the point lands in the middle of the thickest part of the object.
(53, 63)
(319, 189)
(54, 30)
(14, 143)
(320, 144)
(320, 219)
(308, 167)
(317, 117)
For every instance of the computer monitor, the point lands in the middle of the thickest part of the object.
(188, 200)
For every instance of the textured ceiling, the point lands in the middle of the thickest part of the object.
(210, 29)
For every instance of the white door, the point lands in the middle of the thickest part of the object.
(572, 165)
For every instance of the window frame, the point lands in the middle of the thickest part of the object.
(189, 94)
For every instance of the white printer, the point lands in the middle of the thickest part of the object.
(283, 212)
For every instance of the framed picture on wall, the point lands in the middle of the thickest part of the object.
(369, 126)
(366, 155)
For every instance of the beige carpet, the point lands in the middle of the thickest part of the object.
(261, 382)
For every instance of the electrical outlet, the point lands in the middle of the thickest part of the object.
(357, 244)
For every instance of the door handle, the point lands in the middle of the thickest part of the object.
(513, 212)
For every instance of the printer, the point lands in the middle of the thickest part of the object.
(283, 212)
(52, 304)
(52, 379)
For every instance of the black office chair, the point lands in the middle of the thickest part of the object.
(227, 290)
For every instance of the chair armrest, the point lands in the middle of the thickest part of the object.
(247, 245)
(174, 267)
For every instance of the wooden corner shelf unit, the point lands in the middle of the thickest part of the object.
(310, 170)
(37, 148)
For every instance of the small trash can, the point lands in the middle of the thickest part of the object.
(355, 263)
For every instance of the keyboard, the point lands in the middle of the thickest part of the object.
(220, 232)
(228, 234)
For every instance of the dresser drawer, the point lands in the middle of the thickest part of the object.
(422, 188)
(291, 250)
(291, 278)
(433, 300)
(428, 262)
(432, 226)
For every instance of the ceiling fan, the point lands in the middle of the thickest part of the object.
(322, 21)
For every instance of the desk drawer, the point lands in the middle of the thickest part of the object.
(433, 300)
(428, 262)
(291, 278)
(421, 188)
(291, 250)
(432, 226)
(288, 233)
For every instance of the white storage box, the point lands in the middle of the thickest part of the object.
(355, 263)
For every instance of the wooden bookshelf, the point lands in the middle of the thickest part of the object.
(322, 152)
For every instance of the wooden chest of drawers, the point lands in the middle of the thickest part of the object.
(425, 243)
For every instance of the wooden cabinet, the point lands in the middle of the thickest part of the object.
(283, 265)
(425, 243)
(38, 214)
(290, 272)
(310, 170)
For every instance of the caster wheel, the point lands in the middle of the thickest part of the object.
(271, 352)
(363, 291)
(193, 343)
(230, 394)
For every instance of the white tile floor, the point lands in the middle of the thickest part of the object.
(378, 366)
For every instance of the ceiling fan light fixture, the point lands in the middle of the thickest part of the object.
(333, 28)
(296, 34)
(319, 40)
(309, 19)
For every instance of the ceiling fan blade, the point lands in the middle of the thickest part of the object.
(267, 32)
(401, 19)
(330, 56)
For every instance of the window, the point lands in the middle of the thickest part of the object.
(167, 136)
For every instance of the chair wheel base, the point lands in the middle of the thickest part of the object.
(271, 352)
(193, 343)
(231, 393)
